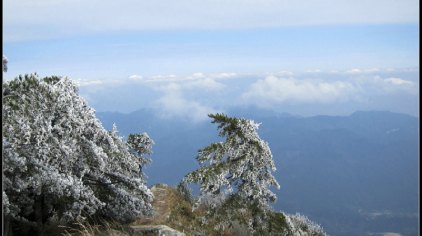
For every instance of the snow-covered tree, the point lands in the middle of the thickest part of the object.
(60, 164)
(238, 169)
(301, 225)
(139, 145)
(4, 63)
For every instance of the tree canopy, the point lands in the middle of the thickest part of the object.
(235, 175)
(242, 164)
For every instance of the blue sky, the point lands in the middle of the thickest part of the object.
(107, 44)
(109, 55)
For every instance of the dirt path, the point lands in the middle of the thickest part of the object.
(162, 208)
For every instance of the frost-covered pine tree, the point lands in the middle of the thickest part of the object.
(4, 64)
(238, 168)
(60, 164)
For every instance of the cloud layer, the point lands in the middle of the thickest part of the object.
(272, 90)
(194, 96)
(289, 90)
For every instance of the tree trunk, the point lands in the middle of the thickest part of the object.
(6, 226)
(38, 208)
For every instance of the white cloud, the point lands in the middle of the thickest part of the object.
(102, 83)
(199, 81)
(376, 84)
(314, 71)
(28, 19)
(198, 75)
(371, 70)
(283, 73)
(398, 81)
(354, 71)
(206, 83)
(196, 81)
(173, 104)
(175, 89)
(357, 71)
(136, 77)
(87, 83)
(294, 91)
(357, 85)
(160, 78)
(224, 75)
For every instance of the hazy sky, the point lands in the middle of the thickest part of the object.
(307, 57)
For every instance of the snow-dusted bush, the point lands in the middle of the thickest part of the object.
(60, 164)
(301, 225)
(236, 172)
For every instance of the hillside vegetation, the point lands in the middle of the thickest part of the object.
(175, 208)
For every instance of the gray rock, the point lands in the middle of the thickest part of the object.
(154, 230)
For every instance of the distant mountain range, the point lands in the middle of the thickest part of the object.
(354, 175)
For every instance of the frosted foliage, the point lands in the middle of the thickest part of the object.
(4, 63)
(140, 145)
(300, 225)
(56, 153)
(241, 165)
